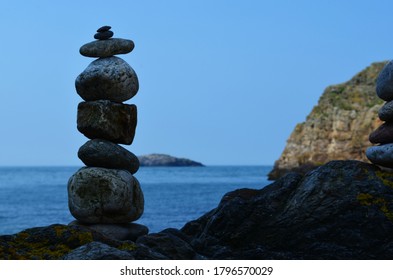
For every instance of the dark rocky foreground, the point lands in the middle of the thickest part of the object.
(341, 210)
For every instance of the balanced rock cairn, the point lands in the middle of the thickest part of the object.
(382, 154)
(105, 195)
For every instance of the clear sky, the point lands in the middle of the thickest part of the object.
(221, 82)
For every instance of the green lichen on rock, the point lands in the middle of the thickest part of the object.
(43, 243)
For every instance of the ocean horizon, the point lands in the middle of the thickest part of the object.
(34, 196)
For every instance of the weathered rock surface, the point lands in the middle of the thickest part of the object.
(341, 210)
(166, 160)
(98, 251)
(103, 153)
(101, 195)
(107, 48)
(337, 128)
(109, 78)
(107, 120)
(130, 231)
(386, 112)
(383, 134)
(384, 86)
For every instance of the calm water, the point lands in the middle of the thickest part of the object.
(37, 196)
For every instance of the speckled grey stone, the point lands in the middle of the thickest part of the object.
(103, 153)
(108, 78)
(107, 120)
(106, 48)
(381, 155)
(386, 112)
(101, 195)
(384, 82)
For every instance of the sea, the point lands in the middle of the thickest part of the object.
(37, 196)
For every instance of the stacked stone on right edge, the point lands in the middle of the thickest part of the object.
(382, 137)
(104, 195)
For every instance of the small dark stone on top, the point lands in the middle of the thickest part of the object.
(104, 28)
(103, 35)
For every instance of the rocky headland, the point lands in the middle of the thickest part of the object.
(340, 210)
(337, 128)
(165, 160)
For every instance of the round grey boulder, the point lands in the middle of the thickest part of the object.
(108, 120)
(108, 78)
(100, 195)
(381, 155)
(386, 112)
(106, 48)
(384, 82)
(103, 153)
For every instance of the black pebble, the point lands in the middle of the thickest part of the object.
(103, 35)
(104, 28)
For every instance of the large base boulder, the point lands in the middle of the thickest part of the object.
(100, 195)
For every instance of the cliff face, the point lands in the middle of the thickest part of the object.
(337, 127)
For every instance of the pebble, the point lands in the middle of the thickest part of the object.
(108, 78)
(107, 120)
(384, 82)
(383, 134)
(103, 153)
(104, 28)
(103, 35)
(381, 155)
(101, 195)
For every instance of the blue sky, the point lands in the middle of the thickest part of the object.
(221, 82)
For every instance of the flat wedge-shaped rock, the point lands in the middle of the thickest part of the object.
(100, 195)
(108, 78)
(103, 153)
(106, 48)
(107, 120)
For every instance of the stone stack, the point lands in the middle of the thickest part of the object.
(382, 153)
(104, 195)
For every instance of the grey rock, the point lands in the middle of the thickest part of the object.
(107, 120)
(103, 153)
(166, 160)
(384, 84)
(108, 78)
(104, 28)
(107, 48)
(97, 251)
(104, 35)
(381, 155)
(383, 134)
(386, 112)
(100, 195)
(130, 231)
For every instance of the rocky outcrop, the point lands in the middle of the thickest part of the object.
(337, 128)
(341, 210)
(165, 160)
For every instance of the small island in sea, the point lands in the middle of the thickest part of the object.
(165, 160)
